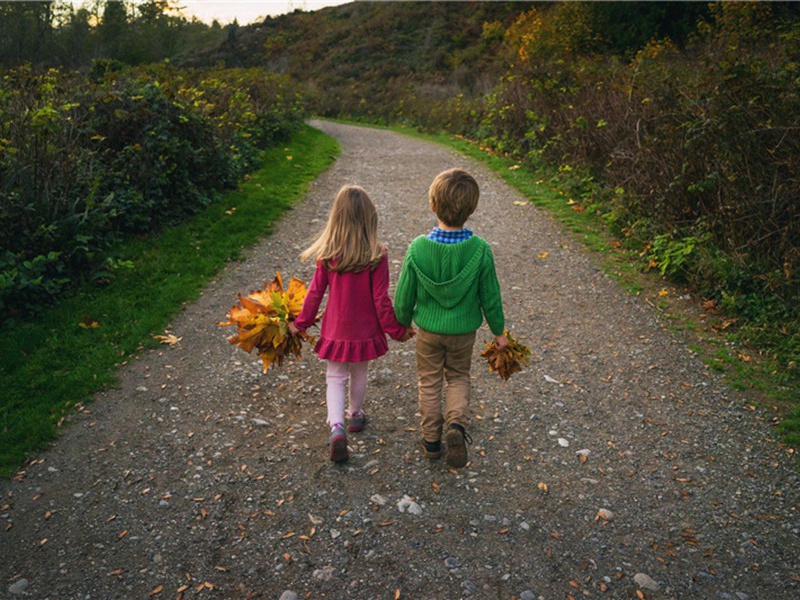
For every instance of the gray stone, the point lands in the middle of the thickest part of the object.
(19, 586)
(288, 595)
(527, 595)
(325, 573)
(646, 582)
(471, 587)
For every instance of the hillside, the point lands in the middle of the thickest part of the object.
(424, 40)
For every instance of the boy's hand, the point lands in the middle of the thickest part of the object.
(408, 335)
(500, 341)
(292, 329)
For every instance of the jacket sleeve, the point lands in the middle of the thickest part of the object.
(316, 291)
(405, 296)
(383, 305)
(489, 294)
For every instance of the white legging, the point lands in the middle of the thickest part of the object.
(337, 376)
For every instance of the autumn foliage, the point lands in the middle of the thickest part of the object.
(509, 360)
(262, 320)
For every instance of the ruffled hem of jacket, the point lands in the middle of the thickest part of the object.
(350, 350)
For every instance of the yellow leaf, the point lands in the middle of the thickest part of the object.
(88, 323)
(169, 338)
(543, 254)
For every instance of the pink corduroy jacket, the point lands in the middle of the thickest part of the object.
(358, 315)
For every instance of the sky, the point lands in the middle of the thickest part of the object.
(248, 11)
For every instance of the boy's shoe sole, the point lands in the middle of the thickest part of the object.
(456, 447)
(431, 453)
(338, 447)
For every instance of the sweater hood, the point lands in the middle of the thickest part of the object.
(447, 271)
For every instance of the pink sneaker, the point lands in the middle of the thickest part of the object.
(356, 422)
(338, 445)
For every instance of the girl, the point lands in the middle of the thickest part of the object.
(354, 265)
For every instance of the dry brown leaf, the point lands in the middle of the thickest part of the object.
(509, 360)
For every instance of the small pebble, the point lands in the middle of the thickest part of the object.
(645, 581)
(471, 587)
(325, 573)
(288, 595)
(527, 595)
(19, 586)
(605, 514)
(563, 442)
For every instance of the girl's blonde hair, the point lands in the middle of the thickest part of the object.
(350, 239)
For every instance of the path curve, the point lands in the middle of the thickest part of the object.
(202, 476)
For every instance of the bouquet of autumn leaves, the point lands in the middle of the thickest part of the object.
(262, 320)
(509, 360)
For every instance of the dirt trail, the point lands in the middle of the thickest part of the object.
(201, 476)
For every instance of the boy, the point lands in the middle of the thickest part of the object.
(447, 285)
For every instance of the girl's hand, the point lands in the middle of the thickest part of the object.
(408, 335)
(292, 329)
(500, 341)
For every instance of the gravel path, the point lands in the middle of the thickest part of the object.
(615, 466)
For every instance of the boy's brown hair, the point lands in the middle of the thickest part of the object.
(454, 196)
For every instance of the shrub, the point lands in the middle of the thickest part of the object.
(85, 160)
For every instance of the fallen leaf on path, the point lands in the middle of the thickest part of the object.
(170, 338)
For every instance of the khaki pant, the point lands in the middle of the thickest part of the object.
(443, 358)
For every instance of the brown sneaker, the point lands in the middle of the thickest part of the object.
(456, 439)
(433, 450)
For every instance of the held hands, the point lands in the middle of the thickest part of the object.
(292, 329)
(500, 341)
(407, 335)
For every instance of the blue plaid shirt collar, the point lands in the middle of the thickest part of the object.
(449, 237)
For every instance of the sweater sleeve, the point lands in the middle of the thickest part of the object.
(489, 293)
(405, 296)
(383, 305)
(316, 291)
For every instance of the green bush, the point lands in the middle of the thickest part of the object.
(86, 160)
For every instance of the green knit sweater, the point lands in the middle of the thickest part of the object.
(449, 288)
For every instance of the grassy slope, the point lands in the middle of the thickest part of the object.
(51, 364)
